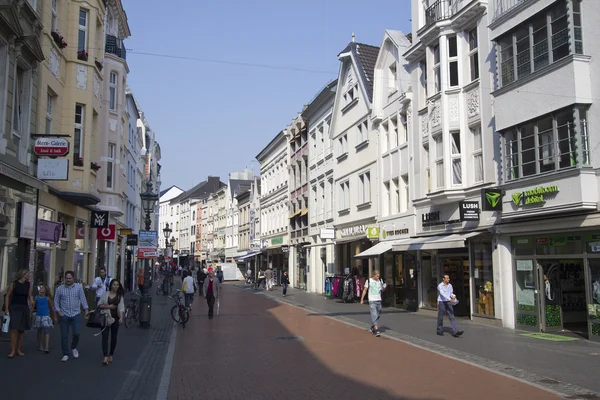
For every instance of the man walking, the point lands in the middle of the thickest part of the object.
(211, 291)
(101, 283)
(269, 279)
(446, 302)
(375, 286)
(68, 302)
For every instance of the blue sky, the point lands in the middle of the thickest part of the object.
(212, 118)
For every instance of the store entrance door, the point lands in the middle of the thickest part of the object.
(593, 304)
(457, 268)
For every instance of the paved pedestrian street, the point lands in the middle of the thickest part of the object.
(258, 348)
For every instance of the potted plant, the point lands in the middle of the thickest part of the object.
(58, 39)
(82, 55)
(78, 162)
(95, 166)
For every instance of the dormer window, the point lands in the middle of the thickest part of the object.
(392, 71)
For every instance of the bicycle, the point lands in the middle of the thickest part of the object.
(179, 312)
(132, 311)
(164, 288)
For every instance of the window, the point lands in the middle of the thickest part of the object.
(453, 60)
(330, 197)
(473, 54)
(110, 166)
(436, 69)
(426, 168)
(78, 135)
(18, 103)
(385, 137)
(477, 155)
(83, 31)
(362, 132)
(33, 4)
(552, 142)
(342, 145)
(541, 41)
(404, 121)
(392, 78)
(112, 91)
(364, 193)
(387, 199)
(352, 93)
(439, 161)
(177, 226)
(53, 27)
(393, 134)
(423, 82)
(344, 197)
(405, 194)
(456, 158)
(49, 106)
(395, 199)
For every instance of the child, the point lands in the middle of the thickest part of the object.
(44, 307)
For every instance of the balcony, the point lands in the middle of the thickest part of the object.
(464, 10)
(501, 7)
(115, 46)
(439, 11)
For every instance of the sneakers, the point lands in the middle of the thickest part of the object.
(75, 353)
(458, 333)
(64, 359)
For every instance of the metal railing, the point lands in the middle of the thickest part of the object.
(115, 46)
(501, 7)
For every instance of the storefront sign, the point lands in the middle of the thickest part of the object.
(534, 196)
(469, 210)
(48, 231)
(353, 231)
(184, 253)
(108, 234)
(27, 227)
(433, 218)
(146, 252)
(99, 219)
(396, 232)
(132, 240)
(51, 147)
(327, 233)
(491, 199)
(252, 227)
(148, 239)
(53, 169)
(125, 231)
(276, 241)
(373, 232)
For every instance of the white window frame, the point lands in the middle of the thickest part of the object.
(112, 91)
(17, 113)
(439, 162)
(473, 36)
(427, 168)
(395, 196)
(385, 137)
(478, 169)
(343, 145)
(453, 60)
(49, 107)
(394, 137)
(364, 192)
(456, 158)
(79, 132)
(362, 132)
(110, 165)
(423, 82)
(344, 197)
(392, 72)
(54, 22)
(437, 73)
(387, 199)
(83, 28)
(404, 205)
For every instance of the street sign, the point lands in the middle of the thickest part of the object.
(57, 147)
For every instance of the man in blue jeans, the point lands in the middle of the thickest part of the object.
(446, 301)
(375, 286)
(68, 301)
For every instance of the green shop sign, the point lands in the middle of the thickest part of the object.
(533, 196)
(277, 240)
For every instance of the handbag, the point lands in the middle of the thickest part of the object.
(108, 319)
(184, 287)
(95, 319)
(5, 323)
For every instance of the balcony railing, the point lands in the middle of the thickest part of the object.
(115, 46)
(501, 7)
(441, 10)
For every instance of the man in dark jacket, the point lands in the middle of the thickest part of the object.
(201, 277)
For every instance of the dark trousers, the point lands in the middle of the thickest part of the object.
(443, 308)
(74, 324)
(113, 330)
(285, 285)
(210, 300)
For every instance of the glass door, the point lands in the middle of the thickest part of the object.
(526, 296)
(549, 295)
(593, 306)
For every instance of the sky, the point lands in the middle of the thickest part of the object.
(217, 80)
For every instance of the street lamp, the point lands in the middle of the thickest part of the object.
(149, 199)
(167, 232)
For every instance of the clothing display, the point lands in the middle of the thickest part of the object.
(347, 288)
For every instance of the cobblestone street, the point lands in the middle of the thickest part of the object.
(260, 349)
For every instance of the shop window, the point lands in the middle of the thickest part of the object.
(483, 277)
(429, 282)
(523, 246)
(558, 244)
(525, 293)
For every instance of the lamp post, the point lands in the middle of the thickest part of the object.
(149, 199)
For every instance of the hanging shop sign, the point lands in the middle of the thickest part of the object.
(373, 232)
(327, 233)
(469, 210)
(56, 147)
(358, 230)
(108, 234)
(491, 199)
(148, 239)
(276, 241)
(48, 231)
(53, 169)
(99, 219)
(537, 195)
(434, 218)
(28, 218)
(132, 240)
(395, 232)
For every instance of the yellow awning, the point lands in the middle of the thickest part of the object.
(296, 213)
(304, 212)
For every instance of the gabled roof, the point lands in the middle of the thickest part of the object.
(365, 57)
(201, 190)
(163, 192)
(326, 93)
(237, 186)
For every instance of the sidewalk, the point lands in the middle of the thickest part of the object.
(261, 350)
(567, 367)
(135, 373)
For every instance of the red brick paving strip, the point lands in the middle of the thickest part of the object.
(234, 357)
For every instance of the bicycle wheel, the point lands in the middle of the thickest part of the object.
(175, 314)
(184, 316)
(169, 289)
(129, 316)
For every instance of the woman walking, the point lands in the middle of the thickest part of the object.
(285, 281)
(44, 315)
(113, 306)
(19, 301)
(189, 288)
(374, 286)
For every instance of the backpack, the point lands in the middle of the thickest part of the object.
(220, 276)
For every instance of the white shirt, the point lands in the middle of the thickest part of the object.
(98, 281)
(189, 282)
(375, 288)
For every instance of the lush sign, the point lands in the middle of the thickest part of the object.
(533, 196)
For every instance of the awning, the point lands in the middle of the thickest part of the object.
(452, 241)
(296, 213)
(18, 175)
(248, 255)
(378, 249)
(304, 212)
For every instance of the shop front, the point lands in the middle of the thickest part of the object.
(277, 256)
(351, 241)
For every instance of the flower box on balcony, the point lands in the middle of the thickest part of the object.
(82, 55)
(78, 162)
(58, 39)
(94, 166)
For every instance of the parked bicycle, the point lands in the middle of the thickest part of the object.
(164, 288)
(132, 311)
(179, 312)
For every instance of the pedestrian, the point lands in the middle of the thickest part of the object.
(68, 301)
(261, 278)
(375, 286)
(44, 315)
(19, 301)
(269, 279)
(249, 276)
(140, 279)
(101, 283)
(220, 274)
(201, 276)
(285, 281)
(211, 291)
(112, 305)
(189, 288)
(446, 302)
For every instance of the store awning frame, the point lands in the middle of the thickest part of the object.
(304, 212)
(296, 213)
(440, 242)
(378, 249)
(248, 255)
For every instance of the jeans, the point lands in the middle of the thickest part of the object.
(285, 286)
(375, 309)
(74, 323)
(189, 299)
(210, 300)
(446, 307)
(113, 330)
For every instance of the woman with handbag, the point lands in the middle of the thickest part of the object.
(19, 300)
(112, 306)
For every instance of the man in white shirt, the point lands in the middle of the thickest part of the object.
(375, 286)
(101, 283)
(446, 302)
